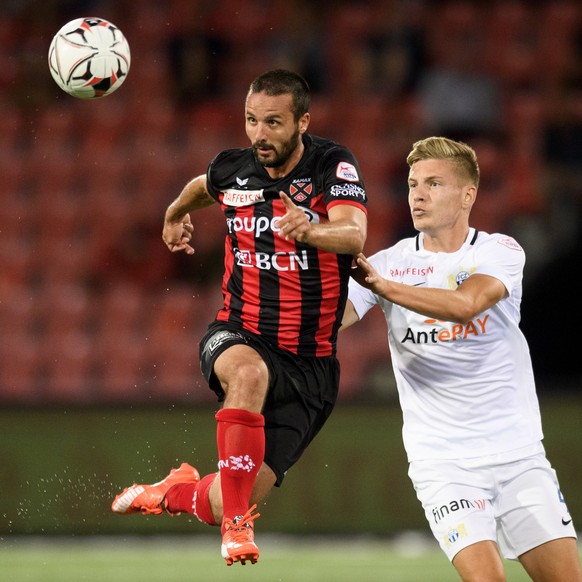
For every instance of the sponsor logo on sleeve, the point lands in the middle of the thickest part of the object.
(347, 171)
(348, 191)
(510, 243)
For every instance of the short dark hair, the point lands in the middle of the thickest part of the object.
(282, 82)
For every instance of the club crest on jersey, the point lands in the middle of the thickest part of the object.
(347, 171)
(300, 191)
(462, 276)
(234, 197)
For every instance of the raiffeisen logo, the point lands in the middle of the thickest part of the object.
(453, 332)
(411, 271)
(233, 197)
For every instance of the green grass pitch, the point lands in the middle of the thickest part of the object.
(183, 559)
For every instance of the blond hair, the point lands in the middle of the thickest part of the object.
(442, 148)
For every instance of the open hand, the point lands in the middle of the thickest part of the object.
(366, 275)
(177, 235)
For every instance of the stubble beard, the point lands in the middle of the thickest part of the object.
(282, 156)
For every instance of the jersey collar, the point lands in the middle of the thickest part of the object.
(470, 240)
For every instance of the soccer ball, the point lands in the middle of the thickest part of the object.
(89, 58)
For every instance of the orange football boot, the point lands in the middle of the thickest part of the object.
(149, 499)
(238, 541)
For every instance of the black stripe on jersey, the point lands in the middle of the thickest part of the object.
(310, 283)
(234, 282)
(344, 269)
(268, 316)
(298, 292)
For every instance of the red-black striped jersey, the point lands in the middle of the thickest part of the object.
(290, 293)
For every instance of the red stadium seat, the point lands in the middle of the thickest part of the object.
(20, 367)
(67, 364)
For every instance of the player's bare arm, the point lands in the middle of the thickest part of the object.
(350, 316)
(476, 294)
(345, 233)
(178, 227)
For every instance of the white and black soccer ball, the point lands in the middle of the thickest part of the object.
(89, 58)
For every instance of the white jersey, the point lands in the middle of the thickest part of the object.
(466, 390)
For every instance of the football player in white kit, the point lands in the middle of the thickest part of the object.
(472, 429)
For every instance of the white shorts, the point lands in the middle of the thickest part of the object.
(513, 499)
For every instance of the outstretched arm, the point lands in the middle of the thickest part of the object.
(345, 233)
(350, 316)
(178, 227)
(471, 297)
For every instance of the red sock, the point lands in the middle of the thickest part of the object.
(201, 501)
(192, 498)
(240, 436)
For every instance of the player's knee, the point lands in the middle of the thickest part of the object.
(241, 367)
(253, 373)
(480, 562)
(249, 377)
(246, 386)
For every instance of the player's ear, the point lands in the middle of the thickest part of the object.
(470, 196)
(304, 122)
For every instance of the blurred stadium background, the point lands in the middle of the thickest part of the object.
(99, 377)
